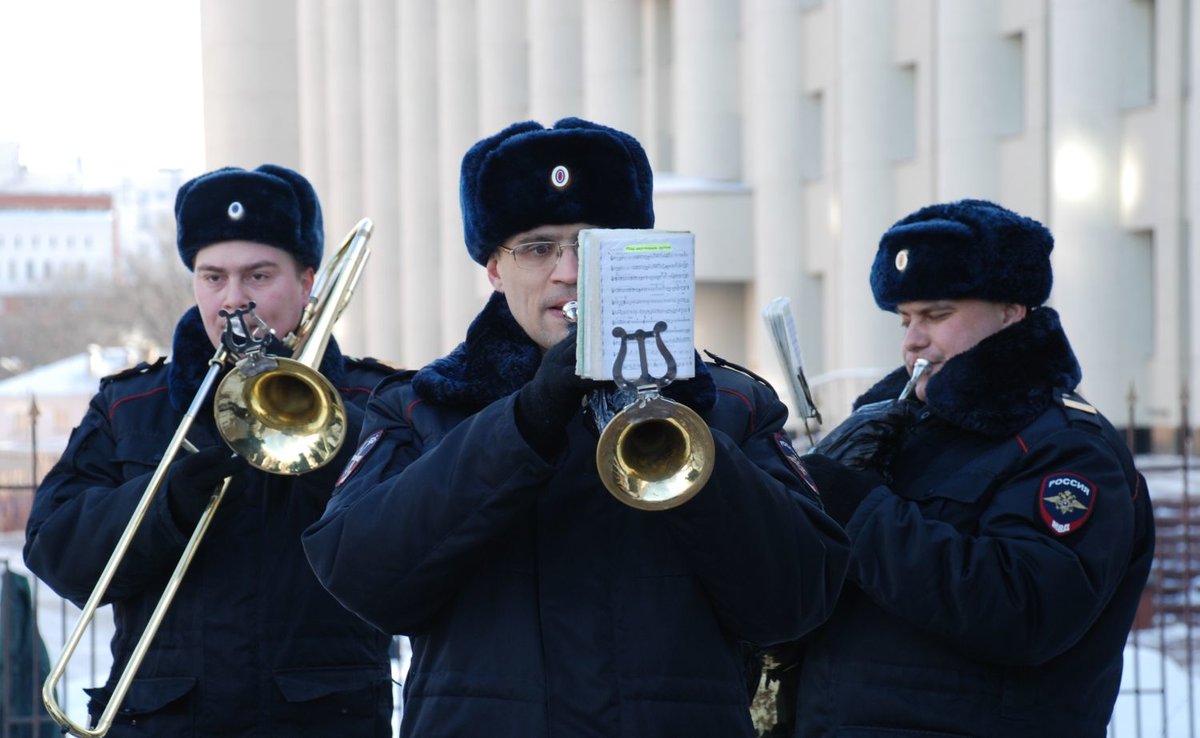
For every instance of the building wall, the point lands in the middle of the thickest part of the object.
(787, 133)
(54, 241)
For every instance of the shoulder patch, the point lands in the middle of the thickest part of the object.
(1065, 501)
(783, 444)
(364, 449)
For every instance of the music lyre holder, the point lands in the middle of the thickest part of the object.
(644, 381)
(246, 343)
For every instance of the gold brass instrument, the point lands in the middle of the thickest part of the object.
(281, 414)
(654, 453)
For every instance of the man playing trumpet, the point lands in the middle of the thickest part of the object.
(473, 518)
(1001, 532)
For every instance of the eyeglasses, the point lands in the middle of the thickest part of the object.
(540, 255)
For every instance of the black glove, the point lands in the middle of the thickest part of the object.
(842, 488)
(870, 438)
(194, 477)
(548, 402)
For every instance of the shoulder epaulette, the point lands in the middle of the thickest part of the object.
(1079, 409)
(399, 376)
(719, 361)
(140, 368)
(370, 362)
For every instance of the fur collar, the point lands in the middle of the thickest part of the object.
(498, 358)
(191, 351)
(1001, 384)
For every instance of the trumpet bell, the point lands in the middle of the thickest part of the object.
(286, 420)
(655, 454)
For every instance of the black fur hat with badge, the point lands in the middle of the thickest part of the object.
(271, 205)
(574, 172)
(964, 249)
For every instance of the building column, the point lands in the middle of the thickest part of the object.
(858, 335)
(555, 59)
(612, 64)
(1091, 248)
(706, 92)
(503, 64)
(463, 282)
(1191, 240)
(343, 195)
(969, 99)
(419, 292)
(776, 124)
(310, 67)
(249, 53)
(383, 313)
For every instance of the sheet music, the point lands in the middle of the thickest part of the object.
(633, 279)
(781, 326)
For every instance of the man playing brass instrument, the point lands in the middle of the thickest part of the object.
(252, 644)
(1001, 534)
(473, 518)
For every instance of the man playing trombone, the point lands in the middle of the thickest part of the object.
(251, 645)
(473, 518)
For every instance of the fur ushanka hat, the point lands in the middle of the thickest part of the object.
(575, 172)
(271, 205)
(964, 249)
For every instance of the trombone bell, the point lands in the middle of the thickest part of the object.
(281, 414)
(655, 454)
(287, 420)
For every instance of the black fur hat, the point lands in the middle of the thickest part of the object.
(964, 249)
(576, 172)
(270, 205)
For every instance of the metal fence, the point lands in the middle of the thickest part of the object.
(1158, 688)
(36, 623)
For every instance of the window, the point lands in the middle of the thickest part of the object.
(1136, 69)
(904, 104)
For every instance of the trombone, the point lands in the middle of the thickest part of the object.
(279, 413)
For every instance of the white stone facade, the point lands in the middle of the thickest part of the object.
(787, 134)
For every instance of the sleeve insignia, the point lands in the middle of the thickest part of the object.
(784, 446)
(364, 449)
(1065, 502)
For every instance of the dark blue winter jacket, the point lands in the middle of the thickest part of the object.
(994, 581)
(538, 604)
(252, 644)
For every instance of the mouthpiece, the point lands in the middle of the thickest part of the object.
(571, 311)
(918, 369)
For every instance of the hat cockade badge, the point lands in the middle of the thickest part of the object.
(236, 211)
(901, 260)
(560, 176)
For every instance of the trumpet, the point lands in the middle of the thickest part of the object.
(279, 413)
(654, 453)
